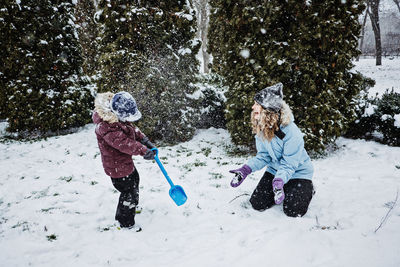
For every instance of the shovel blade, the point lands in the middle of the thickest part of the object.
(178, 195)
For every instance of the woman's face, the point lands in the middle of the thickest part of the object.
(257, 109)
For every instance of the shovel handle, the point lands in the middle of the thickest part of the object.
(162, 167)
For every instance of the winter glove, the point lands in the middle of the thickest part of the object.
(240, 175)
(145, 141)
(149, 155)
(277, 187)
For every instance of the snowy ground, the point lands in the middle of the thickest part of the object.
(57, 207)
(386, 76)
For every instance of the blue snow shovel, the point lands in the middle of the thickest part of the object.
(176, 192)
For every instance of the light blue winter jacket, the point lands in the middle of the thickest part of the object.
(285, 158)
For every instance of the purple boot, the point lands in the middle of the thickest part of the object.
(277, 186)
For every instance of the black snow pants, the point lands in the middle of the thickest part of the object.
(128, 199)
(298, 195)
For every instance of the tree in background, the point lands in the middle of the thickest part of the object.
(362, 36)
(9, 37)
(397, 2)
(42, 71)
(306, 45)
(203, 15)
(383, 40)
(148, 49)
(374, 16)
(88, 32)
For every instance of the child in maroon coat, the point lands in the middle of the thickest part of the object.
(118, 141)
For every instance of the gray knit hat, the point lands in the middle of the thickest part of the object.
(271, 98)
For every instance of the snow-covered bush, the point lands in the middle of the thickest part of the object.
(211, 97)
(379, 119)
(361, 124)
(43, 88)
(388, 124)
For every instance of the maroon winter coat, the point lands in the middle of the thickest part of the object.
(118, 141)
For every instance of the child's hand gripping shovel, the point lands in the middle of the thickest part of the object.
(176, 192)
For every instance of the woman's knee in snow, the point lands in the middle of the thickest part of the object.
(294, 211)
(258, 205)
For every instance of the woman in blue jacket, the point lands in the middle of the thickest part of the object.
(280, 147)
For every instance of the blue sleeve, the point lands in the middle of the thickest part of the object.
(261, 159)
(292, 155)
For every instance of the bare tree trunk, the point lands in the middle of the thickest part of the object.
(363, 31)
(204, 31)
(374, 16)
(397, 2)
(203, 17)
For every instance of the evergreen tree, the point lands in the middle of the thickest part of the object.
(8, 38)
(306, 45)
(88, 31)
(42, 73)
(148, 49)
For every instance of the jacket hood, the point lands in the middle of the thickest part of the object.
(102, 107)
(286, 114)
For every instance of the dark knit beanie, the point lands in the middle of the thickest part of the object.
(271, 98)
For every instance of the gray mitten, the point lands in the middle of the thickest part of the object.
(149, 155)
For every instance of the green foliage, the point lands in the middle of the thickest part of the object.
(362, 126)
(43, 89)
(378, 119)
(51, 237)
(211, 101)
(389, 123)
(8, 39)
(88, 32)
(148, 49)
(306, 45)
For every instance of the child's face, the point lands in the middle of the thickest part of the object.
(257, 109)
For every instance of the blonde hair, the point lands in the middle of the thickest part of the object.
(266, 125)
(102, 107)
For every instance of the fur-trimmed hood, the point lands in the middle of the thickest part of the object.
(286, 114)
(102, 106)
